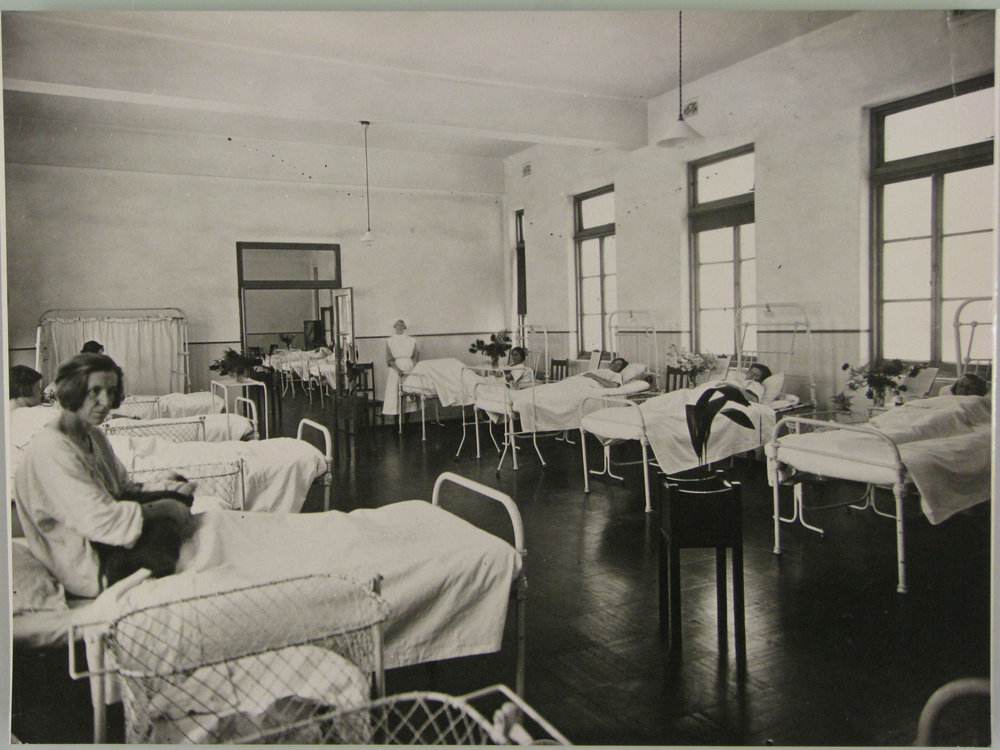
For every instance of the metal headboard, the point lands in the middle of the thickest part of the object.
(788, 324)
(536, 340)
(964, 361)
(633, 336)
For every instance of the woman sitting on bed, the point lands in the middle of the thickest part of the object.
(70, 491)
(610, 378)
(517, 372)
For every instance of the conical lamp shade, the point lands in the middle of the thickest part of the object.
(368, 238)
(678, 133)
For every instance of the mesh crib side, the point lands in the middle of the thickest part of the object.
(251, 664)
(219, 480)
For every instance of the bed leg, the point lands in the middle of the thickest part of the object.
(423, 420)
(586, 470)
(462, 442)
(645, 474)
(97, 696)
(522, 620)
(475, 418)
(897, 491)
(777, 517)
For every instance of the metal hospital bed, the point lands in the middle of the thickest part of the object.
(189, 668)
(805, 447)
(770, 333)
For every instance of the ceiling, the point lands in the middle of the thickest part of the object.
(485, 83)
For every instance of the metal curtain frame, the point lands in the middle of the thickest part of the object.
(181, 368)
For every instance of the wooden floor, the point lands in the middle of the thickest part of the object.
(835, 655)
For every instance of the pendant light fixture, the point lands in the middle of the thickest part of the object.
(367, 238)
(680, 131)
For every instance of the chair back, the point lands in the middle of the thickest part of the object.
(675, 380)
(366, 379)
(560, 369)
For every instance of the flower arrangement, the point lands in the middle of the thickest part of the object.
(287, 339)
(702, 413)
(236, 363)
(692, 363)
(841, 402)
(497, 347)
(880, 378)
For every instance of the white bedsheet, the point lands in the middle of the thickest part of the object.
(448, 379)
(944, 445)
(557, 406)
(447, 583)
(278, 472)
(190, 404)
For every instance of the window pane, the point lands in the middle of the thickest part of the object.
(610, 255)
(907, 209)
(715, 285)
(715, 245)
(906, 330)
(748, 241)
(287, 264)
(610, 293)
(968, 197)
(748, 282)
(597, 211)
(715, 331)
(723, 179)
(945, 124)
(590, 295)
(906, 271)
(590, 257)
(967, 266)
(592, 332)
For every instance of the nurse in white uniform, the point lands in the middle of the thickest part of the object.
(401, 355)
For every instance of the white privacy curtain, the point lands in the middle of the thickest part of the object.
(150, 350)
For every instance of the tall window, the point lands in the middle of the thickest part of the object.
(723, 246)
(932, 194)
(596, 267)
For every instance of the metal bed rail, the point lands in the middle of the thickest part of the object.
(181, 430)
(898, 486)
(327, 454)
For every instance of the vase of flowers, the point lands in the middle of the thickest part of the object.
(693, 364)
(287, 339)
(236, 364)
(880, 379)
(498, 346)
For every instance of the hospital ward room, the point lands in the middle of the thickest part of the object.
(554, 376)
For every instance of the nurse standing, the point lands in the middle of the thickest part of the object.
(401, 355)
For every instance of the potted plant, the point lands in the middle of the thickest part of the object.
(702, 413)
(497, 347)
(287, 339)
(237, 364)
(880, 379)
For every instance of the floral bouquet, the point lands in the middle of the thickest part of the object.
(691, 363)
(287, 339)
(497, 347)
(880, 378)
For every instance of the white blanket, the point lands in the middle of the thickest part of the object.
(448, 379)
(190, 404)
(447, 583)
(943, 442)
(560, 405)
(277, 472)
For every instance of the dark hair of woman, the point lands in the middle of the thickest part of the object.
(765, 371)
(22, 379)
(71, 380)
(91, 347)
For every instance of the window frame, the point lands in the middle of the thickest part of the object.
(934, 165)
(734, 212)
(580, 234)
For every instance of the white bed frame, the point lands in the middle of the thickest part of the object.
(519, 589)
(179, 429)
(535, 339)
(790, 322)
(902, 484)
(180, 369)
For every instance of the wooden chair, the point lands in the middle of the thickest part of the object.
(560, 369)
(366, 385)
(675, 380)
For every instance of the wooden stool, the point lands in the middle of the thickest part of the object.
(701, 513)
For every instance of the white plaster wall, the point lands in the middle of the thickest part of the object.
(128, 219)
(803, 105)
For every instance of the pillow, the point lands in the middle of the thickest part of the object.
(632, 371)
(772, 387)
(33, 587)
